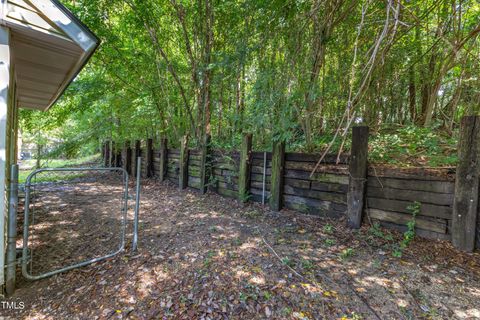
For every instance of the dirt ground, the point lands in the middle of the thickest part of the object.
(208, 257)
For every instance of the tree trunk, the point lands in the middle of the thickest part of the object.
(39, 156)
(412, 95)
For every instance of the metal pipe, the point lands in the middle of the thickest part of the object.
(137, 205)
(12, 232)
(28, 185)
(264, 176)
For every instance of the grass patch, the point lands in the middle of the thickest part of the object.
(88, 161)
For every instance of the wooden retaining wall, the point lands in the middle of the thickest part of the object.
(344, 187)
(224, 179)
(256, 176)
(324, 193)
(389, 193)
(173, 165)
(194, 163)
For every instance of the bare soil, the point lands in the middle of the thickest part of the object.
(208, 257)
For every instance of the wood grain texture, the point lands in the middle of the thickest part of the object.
(358, 176)
(278, 167)
(244, 170)
(466, 185)
(183, 164)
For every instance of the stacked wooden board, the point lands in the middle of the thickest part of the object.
(156, 162)
(173, 169)
(194, 164)
(391, 192)
(144, 168)
(134, 162)
(321, 193)
(225, 166)
(256, 175)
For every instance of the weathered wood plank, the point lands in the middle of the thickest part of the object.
(330, 187)
(259, 163)
(305, 184)
(259, 185)
(226, 166)
(205, 166)
(227, 192)
(419, 232)
(259, 170)
(278, 167)
(195, 153)
(358, 176)
(127, 163)
(227, 185)
(259, 155)
(149, 158)
(430, 210)
(230, 180)
(309, 166)
(259, 191)
(183, 175)
(407, 184)
(244, 169)
(443, 199)
(317, 176)
(137, 152)
(255, 197)
(305, 157)
(196, 163)
(259, 178)
(327, 196)
(465, 206)
(163, 163)
(314, 206)
(438, 174)
(436, 225)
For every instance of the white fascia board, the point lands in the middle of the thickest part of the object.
(67, 23)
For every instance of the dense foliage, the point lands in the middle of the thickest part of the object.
(300, 70)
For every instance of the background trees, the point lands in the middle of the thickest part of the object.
(296, 69)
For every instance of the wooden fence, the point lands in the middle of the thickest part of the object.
(339, 187)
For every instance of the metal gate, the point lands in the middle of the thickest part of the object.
(73, 211)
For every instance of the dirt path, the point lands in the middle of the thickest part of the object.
(207, 257)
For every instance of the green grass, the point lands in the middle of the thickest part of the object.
(88, 161)
(62, 163)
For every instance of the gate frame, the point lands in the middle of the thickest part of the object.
(83, 263)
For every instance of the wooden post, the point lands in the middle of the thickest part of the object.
(127, 164)
(163, 159)
(137, 152)
(118, 157)
(466, 185)
(106, 153)
(110, 153)
(112, 156)
(358, 176)
(149, 158)
(245, 165)
(276, 186)
(183, 162)
(205, 168)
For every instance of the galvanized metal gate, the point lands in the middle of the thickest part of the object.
(101, 228)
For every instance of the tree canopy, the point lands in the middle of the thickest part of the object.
(298, 70)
